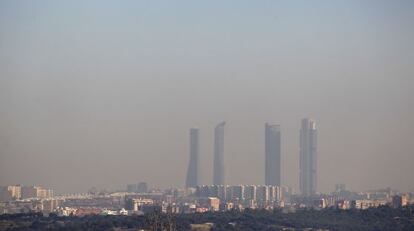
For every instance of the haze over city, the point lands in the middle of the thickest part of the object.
(103, 94)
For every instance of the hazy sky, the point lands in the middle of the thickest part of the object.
(103, 93)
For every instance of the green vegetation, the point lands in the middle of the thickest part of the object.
(381, 218)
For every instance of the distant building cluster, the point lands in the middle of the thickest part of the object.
(18, 199)
(246, 196)
(272, 171)
(141, 187)
(11, 192)
(201, 198)
(139, 199)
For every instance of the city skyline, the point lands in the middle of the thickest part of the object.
(307, 161)
(102, 93)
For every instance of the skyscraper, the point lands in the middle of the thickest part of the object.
(193, 170)
(308, 158)
(218, 174)
(272, 152)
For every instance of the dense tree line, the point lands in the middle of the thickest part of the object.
(381, 218)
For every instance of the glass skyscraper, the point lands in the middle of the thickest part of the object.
(193, 173)
(218, 171)
(272, 152)
(308, 158)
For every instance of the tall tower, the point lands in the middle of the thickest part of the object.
(193, 174)
(308, 158)
(272, 152)
(218, 173)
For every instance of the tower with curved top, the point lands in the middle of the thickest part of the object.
(193, 173)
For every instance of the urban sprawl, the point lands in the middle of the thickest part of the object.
(197, 198)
